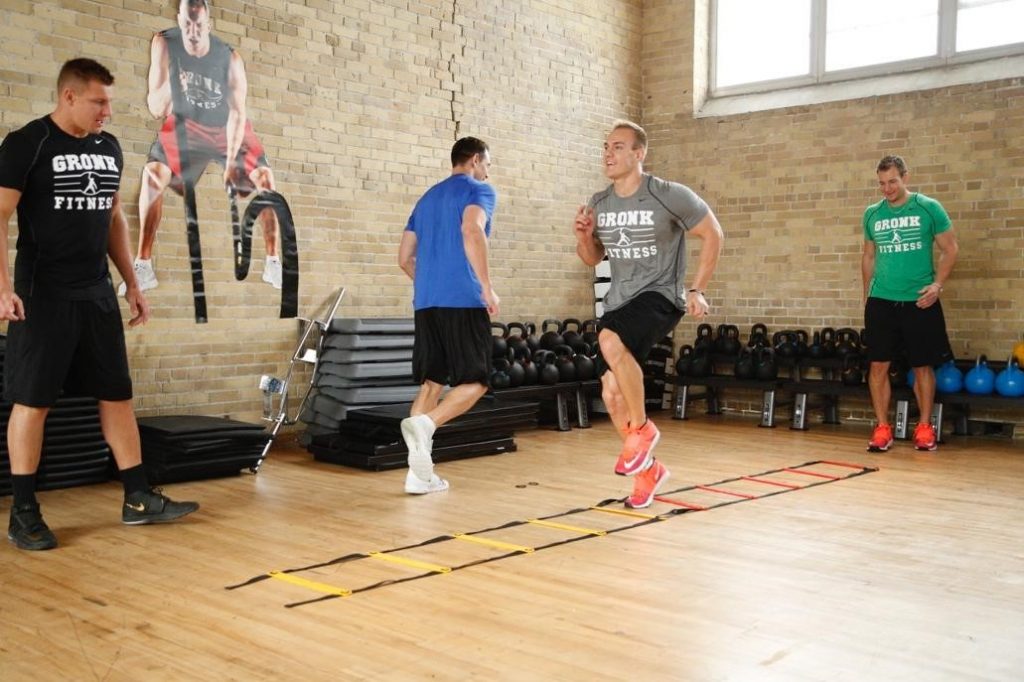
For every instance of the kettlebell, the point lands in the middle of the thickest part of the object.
(532, 340)
(499, 346)
(518, 340)
(1010, 382)
(980, 380)
(700, 362)
(571, 335)
(720, 338)
(731, 344)
(516, 372)
(547, 371)
(499, 374)
(801, 343)
(765, 366)
(784, 343)
(847, 342)
(1018, 352)
(949, 378)
(683, 363)
(552, 334)
(758, 336)
(529, 368)
(815, 350)
(585, 367)
(704, 338)
(828, 342)
(563, 360)
(744, 367)
(590, 331)
(851, 375)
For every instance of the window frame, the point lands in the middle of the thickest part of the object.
(946, 56)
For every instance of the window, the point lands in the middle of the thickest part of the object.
(760, 46)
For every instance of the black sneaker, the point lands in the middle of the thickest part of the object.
(150, 506)
(27, 529)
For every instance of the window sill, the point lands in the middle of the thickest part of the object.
(960, 74)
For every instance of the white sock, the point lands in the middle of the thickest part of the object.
(431, 426)
(144, 261)
(273, 259)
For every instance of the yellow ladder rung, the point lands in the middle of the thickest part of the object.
(493, 543)
(409, 562)
(310, 584)
(563, 526)
(624, 512)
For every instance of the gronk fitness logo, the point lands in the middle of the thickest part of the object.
(903, 234)
(84, 182)
(627, 234)
(201, 91)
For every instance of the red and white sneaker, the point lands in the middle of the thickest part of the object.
(881, 438)
(646, 484)
(924, 437)
(638, 450)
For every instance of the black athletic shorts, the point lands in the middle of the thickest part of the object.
(640, 323)
(896, 327)
(76, 346)
(452, 346)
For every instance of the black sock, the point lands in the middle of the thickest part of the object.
(134, 480)
(24, 488)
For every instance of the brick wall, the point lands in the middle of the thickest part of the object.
(790, 186)
(358, 104)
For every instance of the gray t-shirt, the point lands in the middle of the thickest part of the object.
(643, 236)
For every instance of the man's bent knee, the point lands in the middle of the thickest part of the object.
(157, 175)
(612, 347)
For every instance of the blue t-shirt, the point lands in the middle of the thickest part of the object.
(444, 277)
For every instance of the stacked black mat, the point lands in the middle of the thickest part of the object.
(74, 451)
(190, 447)
(372, 438)
(365, 362)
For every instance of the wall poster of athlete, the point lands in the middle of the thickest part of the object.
(197, 84)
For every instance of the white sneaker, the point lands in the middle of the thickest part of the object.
(418, 432)
(272, 271)
(414, 485)
(144, 275)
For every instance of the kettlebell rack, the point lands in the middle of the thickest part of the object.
(831, 390)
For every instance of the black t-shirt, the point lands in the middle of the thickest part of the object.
(67, 187)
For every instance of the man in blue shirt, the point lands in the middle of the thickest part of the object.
(444, 251)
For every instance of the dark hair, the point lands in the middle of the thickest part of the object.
(466, 148)
(197, 4)
(83, 70)
(892, 161)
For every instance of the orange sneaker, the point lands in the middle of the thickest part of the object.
(637, 452)
(881, 438)
(924, 437)
(646, 484)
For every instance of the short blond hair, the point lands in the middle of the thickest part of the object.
(639, 134)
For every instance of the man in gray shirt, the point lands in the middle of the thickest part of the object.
(640, 222)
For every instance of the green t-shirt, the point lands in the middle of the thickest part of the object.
(903, 237)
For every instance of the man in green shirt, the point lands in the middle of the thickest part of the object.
(902, 284)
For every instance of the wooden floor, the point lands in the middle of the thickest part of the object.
(915, 572)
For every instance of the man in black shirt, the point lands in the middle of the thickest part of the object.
(62, 173)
